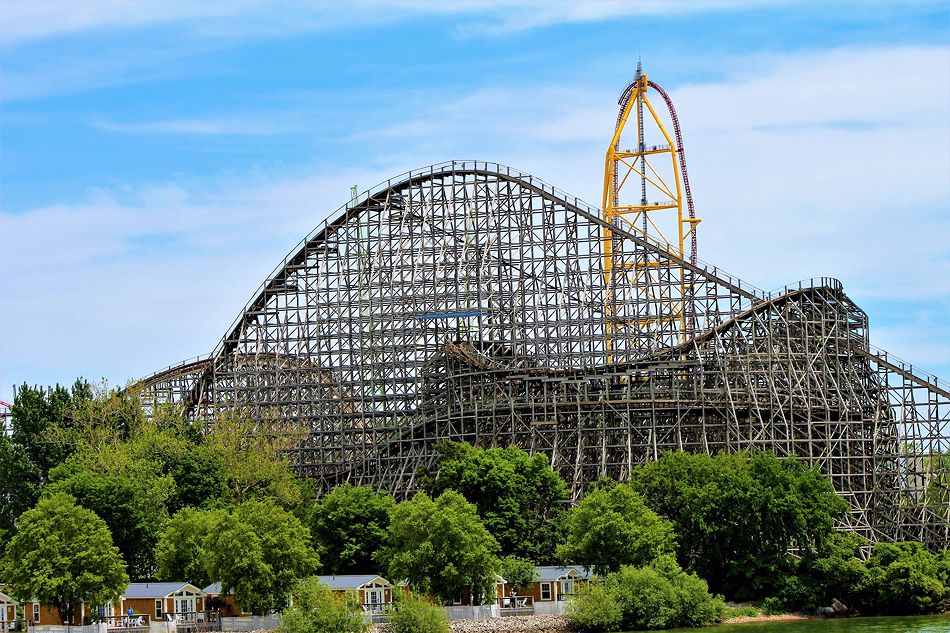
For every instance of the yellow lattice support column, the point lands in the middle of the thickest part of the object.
(643, 194)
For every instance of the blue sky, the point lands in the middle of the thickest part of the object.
(159, 158)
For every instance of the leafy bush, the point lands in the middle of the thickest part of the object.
(833, 571)
(746, 611)
(773, 606)
(903, 579)
(663, 596)
(414, 614)
(319, 610)
(593, 609)
(656, 596)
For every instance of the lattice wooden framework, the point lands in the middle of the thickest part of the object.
(466, 301)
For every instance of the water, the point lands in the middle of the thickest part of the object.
(916, 624)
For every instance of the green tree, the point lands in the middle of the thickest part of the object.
(134, 511)
(63, 555)
(612, 526)
(38, 416)
(738, 514)
(517, 572)
(440, 546)
(31, 446)
(254, 458)
(18, 484)
(903, 579)
(199, 475)
(180, 552)
(258, 552)
(517, 496)
(348, 527)
(318, 609)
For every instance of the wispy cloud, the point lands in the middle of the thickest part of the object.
(260, 125)
(24, 21)
(505, 17)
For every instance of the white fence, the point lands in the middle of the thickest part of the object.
(482, 612)
(97, 627)
(251, 622)
(555, 607)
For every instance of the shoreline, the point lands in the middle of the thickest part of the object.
(781, 617)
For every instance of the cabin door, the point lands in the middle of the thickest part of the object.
(185, 607)
(567, 588)
(374, 599)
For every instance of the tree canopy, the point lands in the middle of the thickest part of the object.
(737, 514)
(258, 552)
(63, 555)
(612, 526)
(180, 552)
(517, 496)
(441, 547)
(349, 526)
(133, 509)
(517, 572)
(33, 445)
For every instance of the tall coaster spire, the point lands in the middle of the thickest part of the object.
(649, 298)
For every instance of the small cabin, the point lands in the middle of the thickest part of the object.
(555, 583)
(180, 601)
(375, 592)
(39, 614)
(7, 610)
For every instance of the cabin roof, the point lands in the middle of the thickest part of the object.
(351, 581)
(551, 573)
(157, 589)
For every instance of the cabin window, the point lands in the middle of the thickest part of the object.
(545, 591)
(36, 612)
(457, 598)
(158, 609)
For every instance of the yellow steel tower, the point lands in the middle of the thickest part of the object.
(649, 298)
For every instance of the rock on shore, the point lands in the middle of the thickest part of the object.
(520, 624)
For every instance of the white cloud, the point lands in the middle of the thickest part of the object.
(127, 281)
(25, 20)
(830, 163)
